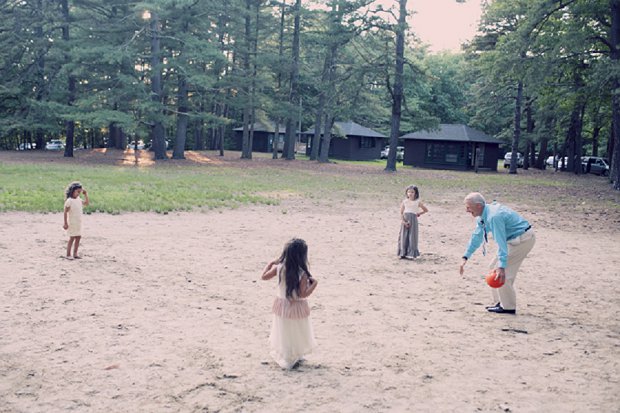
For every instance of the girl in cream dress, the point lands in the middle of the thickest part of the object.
(73, 217)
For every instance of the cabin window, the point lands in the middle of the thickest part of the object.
(367, 142)
(444, 153)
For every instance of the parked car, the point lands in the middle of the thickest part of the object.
(55, 145)
(132, 145)
(595, 165)
(384, 152)
(549, 161)
(26, 146)
(508, 157)
(400, 153)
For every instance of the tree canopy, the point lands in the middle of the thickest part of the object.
(541, 74)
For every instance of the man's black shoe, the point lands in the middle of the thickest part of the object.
(500, 310)
(494, 305)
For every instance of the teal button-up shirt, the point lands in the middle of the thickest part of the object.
(504, 223)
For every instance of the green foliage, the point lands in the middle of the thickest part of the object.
(560, 53)
(558, 50)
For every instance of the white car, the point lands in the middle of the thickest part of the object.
(132, 145)
(550, 159)
(26, 146)
(508, 157)
(400, 153)
(55, 145)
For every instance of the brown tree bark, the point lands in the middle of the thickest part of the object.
(517, 129)
(614, 174)
(397, 91)
(157, 127)
(289, 145)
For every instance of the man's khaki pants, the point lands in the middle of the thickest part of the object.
(518, 249)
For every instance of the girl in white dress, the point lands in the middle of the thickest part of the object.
(291, 332)
(73, 217)
(410, 210)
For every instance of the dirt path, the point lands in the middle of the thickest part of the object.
(166, 313)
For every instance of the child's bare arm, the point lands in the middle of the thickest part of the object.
(307, 286)
(66, 224)
(402, 214)
(270, 270)
(423, 208)
(86, 201)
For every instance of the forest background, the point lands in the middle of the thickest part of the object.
(542, 75)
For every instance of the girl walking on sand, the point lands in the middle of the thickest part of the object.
(291, 332)
(73, 217)
(410, 210)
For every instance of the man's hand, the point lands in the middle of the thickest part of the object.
(462, 267)
(500, 275)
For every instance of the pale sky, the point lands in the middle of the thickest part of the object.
(444, 24)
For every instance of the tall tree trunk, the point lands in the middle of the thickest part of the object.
(225, 112)
(69, 124)
(576, 124)
(40, 76)
(182, 119)
(328, 89)
(157, 127)
(514, 160)
(199, 130)
(199, 135)
(316, 137)
(276, 140)
(397, 92)
(547, 125)
(327, 138)
(327, 76)
(294, 84)
(595, 137)
(542, 154)
(574, 139)
(113, 132)
(325, 88)
(246, 148)
(526, 157)
(530, 125)
(246, 151)
(614, 174)
(254, 73)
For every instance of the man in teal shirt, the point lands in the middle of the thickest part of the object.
(515, 239)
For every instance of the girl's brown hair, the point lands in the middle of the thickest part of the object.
(72, 187)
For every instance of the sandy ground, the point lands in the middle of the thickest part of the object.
(166, 313)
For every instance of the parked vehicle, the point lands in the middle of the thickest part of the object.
(549, 161)
(384, 152)
(55, 145)
(26, 146)
(132, 145)
(595, 165)
(508, 157)
(400, 153)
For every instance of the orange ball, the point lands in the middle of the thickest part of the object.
(493, 283)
